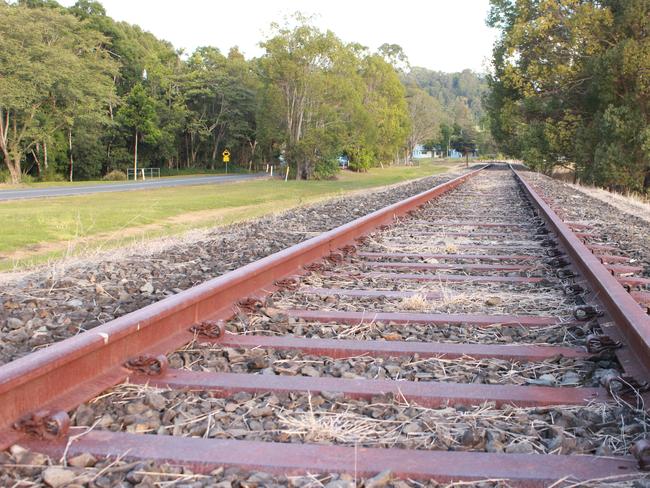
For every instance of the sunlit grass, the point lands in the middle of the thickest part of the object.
(32, 231)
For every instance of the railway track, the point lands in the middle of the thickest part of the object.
(466, 333)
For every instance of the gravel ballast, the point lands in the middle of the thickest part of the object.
(55, 303)
(386, 421)
(611, 224)
(328, 418)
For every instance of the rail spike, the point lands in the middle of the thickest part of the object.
(558, 262)
(250, 304)
(573, 290)
(564, 274)
(314, 267)
(363, 240)
(148, 364)
(587, 312)
(335, 257)
(44, 424)
(600, 343)
(213, 329)
(288, 284)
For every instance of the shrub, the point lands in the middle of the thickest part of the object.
(326, 169)
(25, 178)
(52, 176)
(361, 159)
(115, 175)
(5, 177)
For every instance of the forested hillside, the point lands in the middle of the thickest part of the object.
(458, 98)
(571, 87)
(453, 89)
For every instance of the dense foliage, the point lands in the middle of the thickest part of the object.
(571, 87)
(457, 99)
(82, 96)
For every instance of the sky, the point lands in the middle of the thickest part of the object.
(444, 35)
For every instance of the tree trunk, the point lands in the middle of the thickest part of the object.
(194, 151)
(14, 167)
(13, 163)
(37, 159)
(45, 156)
(135, 157)
(253, 146)
(299, 170)
(70, 149)
(12, 157)
(215, 148)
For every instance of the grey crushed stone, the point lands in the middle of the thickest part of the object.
(40, 309)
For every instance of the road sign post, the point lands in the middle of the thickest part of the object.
(226, 158)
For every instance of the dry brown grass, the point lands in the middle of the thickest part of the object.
(415, 302)
(442, 427)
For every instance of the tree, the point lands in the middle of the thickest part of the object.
(73, 100)
(84, 9)
(50, 64)
(220, 94)
(384, 102)
(570, 86)
(138, 114)
(298, 61)
(426, 116)
(335, 98)
(394, 55)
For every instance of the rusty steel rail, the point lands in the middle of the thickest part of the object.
(632, 324)
(68, 373)
(56, 379)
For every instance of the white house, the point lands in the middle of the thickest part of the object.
(419, 152)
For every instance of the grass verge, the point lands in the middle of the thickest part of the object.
(183, 173)
(39, 230)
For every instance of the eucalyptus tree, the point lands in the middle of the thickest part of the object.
(220, 93)
(334, 98)
(53, 66)
(138, 114)
(385, 101)
(300, 61)
(426, 115)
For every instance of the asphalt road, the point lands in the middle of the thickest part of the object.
(61, 191)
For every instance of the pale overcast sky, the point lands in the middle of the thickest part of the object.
(445, 35)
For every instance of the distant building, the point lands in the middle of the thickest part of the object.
(456, 154)
(420, 152)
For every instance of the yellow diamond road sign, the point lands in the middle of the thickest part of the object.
(226, 156)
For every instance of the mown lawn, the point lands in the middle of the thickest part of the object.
(36, 230)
